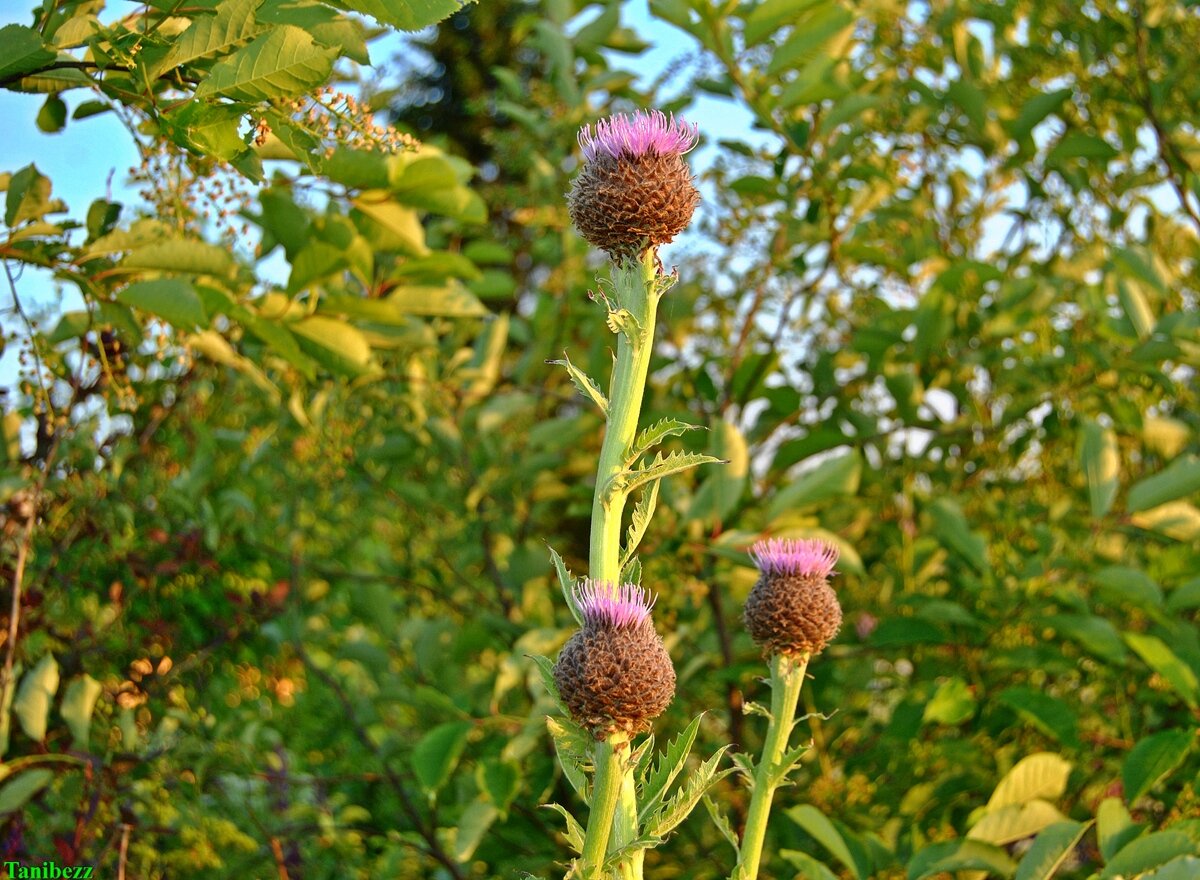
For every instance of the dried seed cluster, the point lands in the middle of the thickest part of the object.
(792, 609)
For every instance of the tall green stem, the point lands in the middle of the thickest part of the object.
(606, 791)
(636, 291)
(787, 677)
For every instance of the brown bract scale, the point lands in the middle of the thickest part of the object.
(792, 614)
(627, 204)
(615, 678)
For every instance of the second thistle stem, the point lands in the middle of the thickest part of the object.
(787, 677)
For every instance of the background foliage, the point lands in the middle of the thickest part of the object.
(281, 535)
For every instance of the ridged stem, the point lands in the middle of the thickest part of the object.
(606, 792)
(787, 677)
(635, 290)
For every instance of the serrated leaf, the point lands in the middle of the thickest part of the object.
(410, 15)
(681, 804)
(281, 63)
(586, 384)
(574, 832)
(545, 668)
(623, 321)
(722, 822)
(566, 583)
(1050, 850)
(626, 481)
(212, 36)
(631, 571)
(656, 433)
(571, 746)
(667, 768)
(639, 521)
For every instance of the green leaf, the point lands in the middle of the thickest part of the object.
(820, 33)
(1148, 852)
(960, 855)
(434, 757)
(1182, 868)
(662, 466)
(35, 696)
(1100, 464)
(1048, 713)
(279, 64)
(409, 15)
(818, 826)
(566, 583)
(586, 384)
(1078, 145)
(449, 301)
(1155, 653)
(1152, 759)
(639, 521)
(1035, 110)
(172, 299)
(806, 866)
(28, 196)
(78, 703)
(334, 344)
(212, 36)
(1114, 827)
(181, 256)
(668, 766)
(1181, 477)
(22, 51)
(1050, 850)
(767, 17)
(681, 804)
(1040, 775)
(1121, 584)
(404, 232)
(19, 790)
(952, 703)
(476, 819)
(572, 746)
(970, 100)
(574, 832)
(718, 495)
(952, 530)
(53, 115)
(1095, 634)
(656, 433)
(829, 479)
(499, 780)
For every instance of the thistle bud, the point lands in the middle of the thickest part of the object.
(614, 674)
(635, 191)
(792, 609)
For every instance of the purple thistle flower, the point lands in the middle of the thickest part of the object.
(605, 604)
(646, 131)
(805, 557)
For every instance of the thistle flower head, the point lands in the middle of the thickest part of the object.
(604, 603)
(635, 190)
(643, 132)
(792, 609)
(615, 673)
(798, 556)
